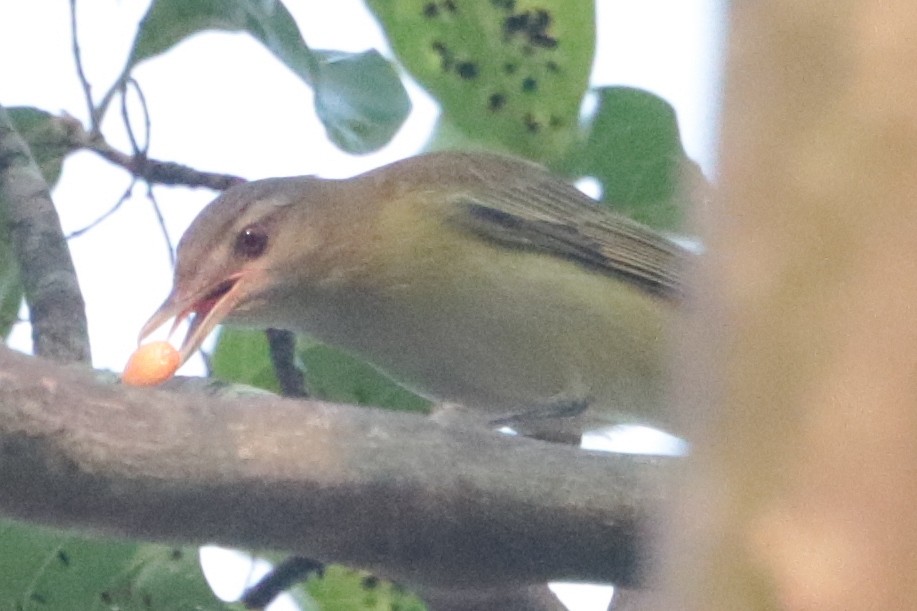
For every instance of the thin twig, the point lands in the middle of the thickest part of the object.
(292, 570)
(162, 224)
(110, 94)
(283, 356)
(151, 170)
(124, 197)
(139, 151)
(84, 82)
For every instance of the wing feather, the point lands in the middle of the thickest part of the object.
(535, 210)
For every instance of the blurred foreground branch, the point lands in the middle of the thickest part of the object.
(805, 334)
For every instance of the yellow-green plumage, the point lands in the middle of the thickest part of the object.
(471, 278)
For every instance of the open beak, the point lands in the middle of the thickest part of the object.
(205, 308)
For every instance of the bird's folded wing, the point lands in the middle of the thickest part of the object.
(554, 217)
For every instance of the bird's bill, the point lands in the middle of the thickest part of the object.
(205, 309)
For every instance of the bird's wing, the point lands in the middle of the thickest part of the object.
(549, 215)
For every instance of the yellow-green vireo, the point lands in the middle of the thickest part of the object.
(470, 278)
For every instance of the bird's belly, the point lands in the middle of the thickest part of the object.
(520, 344)
(503, 372)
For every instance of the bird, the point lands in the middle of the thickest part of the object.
(476, 279)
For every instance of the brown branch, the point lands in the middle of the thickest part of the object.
(165, 172)
(282, 345)
(56, 307)
(397, 494)
(151, 170)
(519, 598)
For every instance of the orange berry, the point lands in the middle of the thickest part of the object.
(151, 364)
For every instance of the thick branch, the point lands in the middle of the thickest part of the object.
(520, 598)
(398, 494)
(56, 307)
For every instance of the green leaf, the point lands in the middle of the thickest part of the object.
(358, 96)
(47, 138)
(243, 356)
(447, 137)
(355, 95)
(168, 22)
(343, 589)
(511, 73)
(634, 149)
(336, 376)
(47, 570)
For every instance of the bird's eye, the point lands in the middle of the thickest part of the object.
(251, 242)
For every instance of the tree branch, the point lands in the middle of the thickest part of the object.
(282, 345)
(151, 170)
(56, 307)
(397, 494)
(520, 598)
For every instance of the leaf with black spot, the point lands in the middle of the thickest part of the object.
(528, 60)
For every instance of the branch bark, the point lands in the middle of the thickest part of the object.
(56, 307)
(520, 598)
(153, 171)
(397, 494)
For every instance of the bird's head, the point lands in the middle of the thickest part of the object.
(236, 259)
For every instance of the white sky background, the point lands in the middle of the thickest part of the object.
(222, 103)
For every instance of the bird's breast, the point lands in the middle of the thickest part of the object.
(506, 331)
